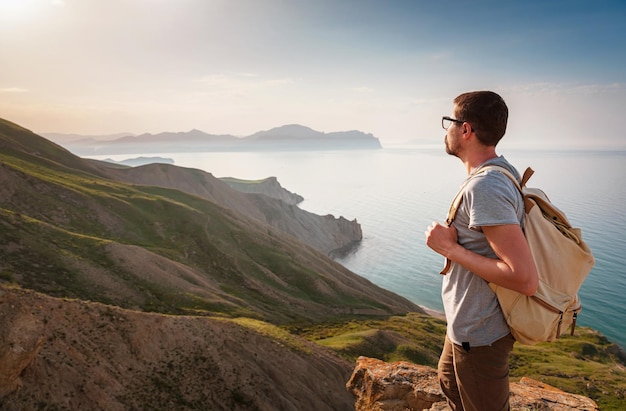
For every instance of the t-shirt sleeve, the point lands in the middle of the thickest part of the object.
(491, 199)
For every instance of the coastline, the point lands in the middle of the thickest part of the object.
(434, 313)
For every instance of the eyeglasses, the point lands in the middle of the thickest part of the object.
(446, 122)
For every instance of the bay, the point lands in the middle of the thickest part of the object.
(396, 192)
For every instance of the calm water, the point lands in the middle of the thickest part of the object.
(395, 193)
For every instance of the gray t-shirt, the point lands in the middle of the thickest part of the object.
(471, 307)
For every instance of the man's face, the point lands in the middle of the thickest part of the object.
(452, 137)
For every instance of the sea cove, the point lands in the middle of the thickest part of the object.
(394, 193)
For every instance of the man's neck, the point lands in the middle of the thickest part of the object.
(479, 157)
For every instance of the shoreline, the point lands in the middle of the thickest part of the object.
(434, 313)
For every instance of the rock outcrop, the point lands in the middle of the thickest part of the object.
(400, 386)
(269, 187)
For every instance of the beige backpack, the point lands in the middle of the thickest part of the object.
(563, 262)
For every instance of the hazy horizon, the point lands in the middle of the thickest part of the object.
(65, 138)
(390, 68)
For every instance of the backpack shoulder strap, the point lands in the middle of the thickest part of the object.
(456, 203)
(519, 184)
(528, 173)
(454, 207)
(458, 198)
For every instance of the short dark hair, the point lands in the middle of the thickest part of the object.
(486, 111)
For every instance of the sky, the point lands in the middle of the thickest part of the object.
(386, 67)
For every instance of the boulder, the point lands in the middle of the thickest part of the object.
(400, 386)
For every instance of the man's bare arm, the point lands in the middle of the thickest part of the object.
(514, 268)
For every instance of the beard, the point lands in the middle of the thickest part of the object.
(451, 148)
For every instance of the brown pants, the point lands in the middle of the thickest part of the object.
(476, 379)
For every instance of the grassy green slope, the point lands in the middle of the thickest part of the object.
(68, 232)
(586, 363)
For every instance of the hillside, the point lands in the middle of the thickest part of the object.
(102, 254)
(69, 230)
(270, 203)
(72, 354)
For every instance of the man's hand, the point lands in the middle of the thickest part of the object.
(441, 238)
(513, 268)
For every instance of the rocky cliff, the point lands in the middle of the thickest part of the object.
(270, 203)
(269, 187)
(401, 386)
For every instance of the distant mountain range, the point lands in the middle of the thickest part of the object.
(289, 137)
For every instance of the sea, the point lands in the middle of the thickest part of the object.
(397, 191)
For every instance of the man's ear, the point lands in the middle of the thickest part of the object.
(467, 128)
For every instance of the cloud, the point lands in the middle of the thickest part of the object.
(599, 88)
(430, 101)
(279, 81)
(240, 83)
(216, 80)
(569, 88)
(363, 90)
(437, 57)
(13, 90)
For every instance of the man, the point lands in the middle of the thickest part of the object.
(485, 244)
